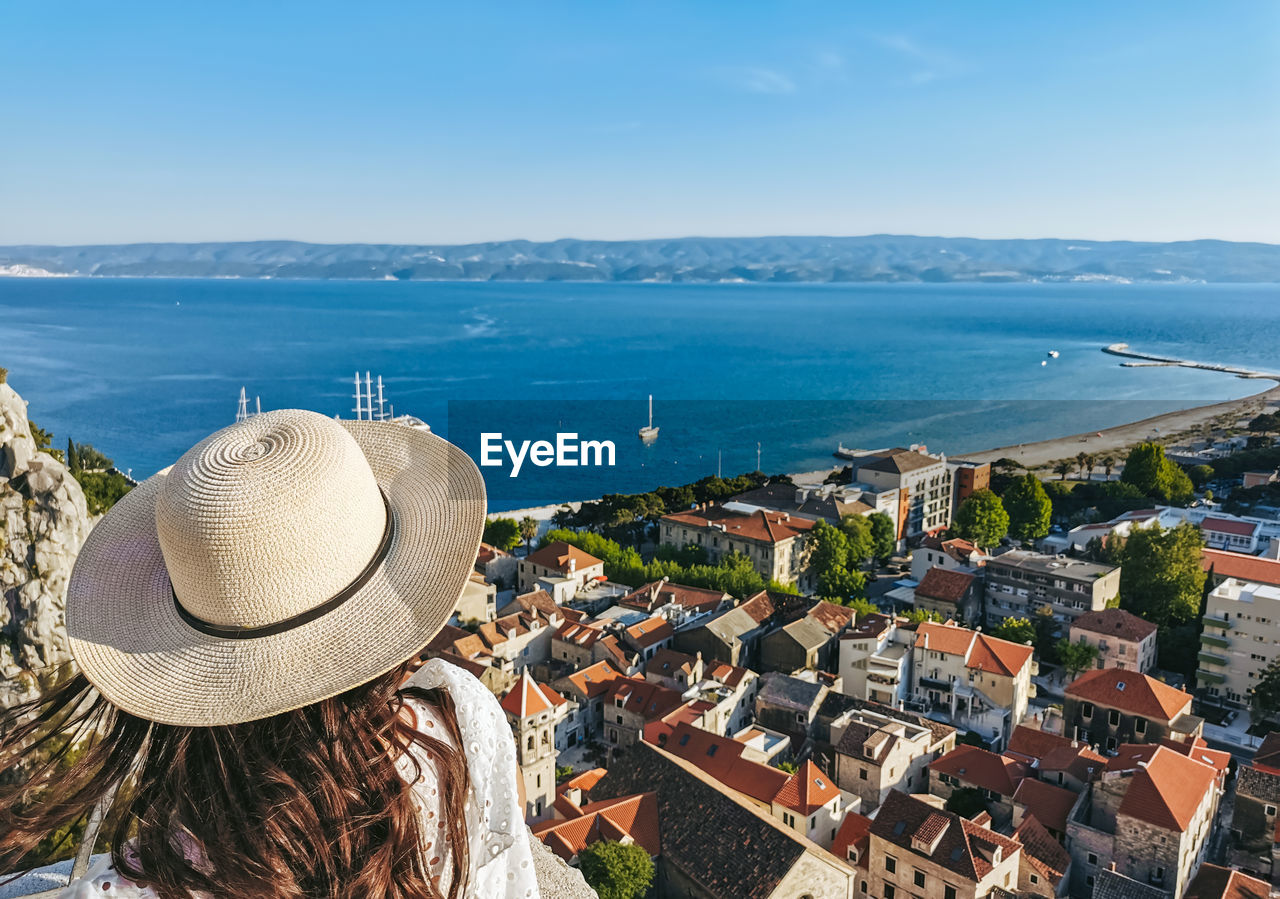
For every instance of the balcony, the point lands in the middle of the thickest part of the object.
(1219, 623)
(1215, 640)
(1210, 677)
(1212, 658)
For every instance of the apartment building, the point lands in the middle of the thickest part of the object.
(1111, 706)
(1020, 583)
(1123, 640)
(775, 542)
(1241, 637)
(955, 554)
(923, 482)
(874, 660)
(1149, 814)
(976, 681)
(968, 478)
(878, 749)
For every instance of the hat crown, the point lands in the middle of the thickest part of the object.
(268, 519)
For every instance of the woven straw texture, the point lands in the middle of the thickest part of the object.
(259, 522)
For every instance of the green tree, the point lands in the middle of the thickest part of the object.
(788, 767)
(1108, 465)
(832, 563)
(616, 870)
(73, 459)
(1076, 657)
(528, 530)
(982, 519)
(1160, 576)
(43, 439)
(1147, 468)
(504, 533)
(1029, 507)
(920, 616)
(884, 540)
(857, 529)
(1062, 468)
(1017, 630)
(1082, 463)
(563, 772)
(1264, 698)
(1200, 475)
(102, 489)
(966, 802)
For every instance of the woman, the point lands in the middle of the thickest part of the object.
(243, 624)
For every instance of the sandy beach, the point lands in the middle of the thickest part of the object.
(1118, 439)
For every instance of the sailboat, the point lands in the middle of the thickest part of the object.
(649, 432)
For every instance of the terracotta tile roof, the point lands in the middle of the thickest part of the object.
(762, 526)
(724, 673)
(949, 638)
(996, 656)
(1115, 623)
(853, 834)
(593, 680)
(831, 616)
(655, 594)
(1215, 882)
(945, 585)
(649, 701)
(873, 625)
(692, 713)
(724, 844)
(539, 600)
(1238, 565)
(584, 781)
(487, 554)
(1230, 526)
(1050, 804)
(578, 634)
(981, 768)
(1034, 743)
(1268, 755)
(528, 697)
(1046, 854)
(1056, 753)
(807, 790)
(611, 819)
(650, 632)
(1129, 691)
(1199, 750)
(961, 846)
(558, 555)
(667, 662)
(1166, 788)
(721, 758)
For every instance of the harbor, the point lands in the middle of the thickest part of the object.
(1146, 360)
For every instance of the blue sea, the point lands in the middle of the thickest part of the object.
(143, 368)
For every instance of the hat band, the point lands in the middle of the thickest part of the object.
(233, 632)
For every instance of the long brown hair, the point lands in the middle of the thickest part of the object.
(304, 805)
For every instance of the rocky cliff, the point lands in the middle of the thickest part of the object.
(43, 522)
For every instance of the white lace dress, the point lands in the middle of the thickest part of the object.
(501, 859)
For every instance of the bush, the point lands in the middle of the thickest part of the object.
(102, 489)
(616, 870)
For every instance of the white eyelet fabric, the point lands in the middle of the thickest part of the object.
(501, 858)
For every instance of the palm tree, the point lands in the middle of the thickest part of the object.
(1090, 460)
(1081, 459)
(1108, 464)
(1062, 468)
(528, 530)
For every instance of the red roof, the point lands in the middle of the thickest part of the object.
(610, 819)
(1238, 565)
(649, 701)
(659, 593)
(528, 697)
(1215, 882)
(1166, 789)
(1129, 691)
(1199, 750)
(981, 768)
(762, 526)
(949, 638)
(1045, 853)
(651, 632)
(594, 679)
(854, 833)
(945, 585)
(980, 651)
(721, 758)
(692, 713)
(1230, 526)
(558, 555)
(807, 790)
(1048, 803)
(584, 781)
(1115, 623)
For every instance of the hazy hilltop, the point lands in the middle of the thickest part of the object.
(760, 259)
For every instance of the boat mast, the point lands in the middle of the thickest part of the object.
(359, 409)
(368, 395)
(242, 411)
(651, 410)
(382, 414)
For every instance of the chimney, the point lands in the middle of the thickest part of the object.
(573, 565)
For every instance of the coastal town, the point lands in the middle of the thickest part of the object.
(909, 676)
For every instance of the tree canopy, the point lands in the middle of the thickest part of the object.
(834, 565)
(1029, 507)
(883, 538)
(982, 519)
(616, 870)
(1147, 468)
(504, 533)
(1076, 657)
(1160, 577)
(1017, 630)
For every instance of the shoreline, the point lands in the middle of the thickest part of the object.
(1042, 453)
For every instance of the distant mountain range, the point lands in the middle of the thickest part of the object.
(757, 259)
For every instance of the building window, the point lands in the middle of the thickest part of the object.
(1034, 879)
(1140, 726)
(1271, 811)
(1086, 710)
(948, 891)
(862, 774)
(889, 891)
(919, 878)
(1093, 858)
(890, 864)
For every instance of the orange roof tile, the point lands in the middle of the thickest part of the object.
(1238, 565)
(651, 631)
(1045, 853)
(611, 819)
(1215, 882)
(558, 555)
(1129, 691)
(761, 526)
(721, 758)
(982, 769)
(1166, 789)
(807, 790)
(594, 679)
(1048, 803)
(528, 697)
(945, 584)
(853, 834)
(949, 638)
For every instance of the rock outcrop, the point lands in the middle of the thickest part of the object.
(43, 522)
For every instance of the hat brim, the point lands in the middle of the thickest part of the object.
(127, 637)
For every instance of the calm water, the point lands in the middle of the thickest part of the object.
(144, 368)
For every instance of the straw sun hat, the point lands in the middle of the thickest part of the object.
(280, 561)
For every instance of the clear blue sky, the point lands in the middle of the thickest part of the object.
(420, 122)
